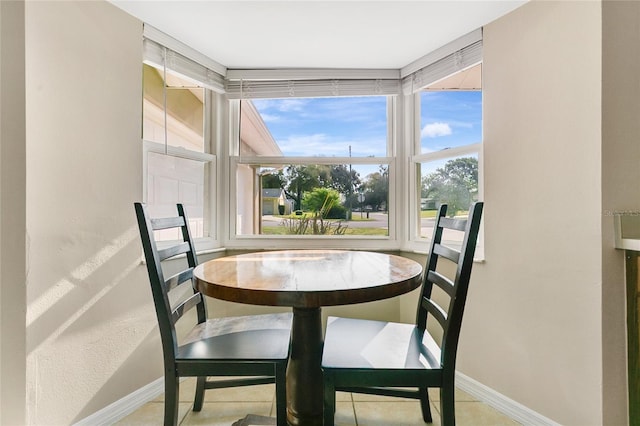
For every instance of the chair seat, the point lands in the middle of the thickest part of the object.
(252, 338)
(366, 344)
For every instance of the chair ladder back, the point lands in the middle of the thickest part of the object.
(441, 281)
(173, 251)
(192, 260)
(177, 279)
(453, 223)
(450, 319)
(451, 334)
(185, 306)
(436, 311)
(432, 262)
(160, 288)
(186, 236)
(436, 238)
(430, 305)
(166, 223)
(447, 252)
(156, 279)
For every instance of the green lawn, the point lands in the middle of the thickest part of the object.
(432, 213)
(428, 213)
(355, 216)
(280, 230)
(366, 231)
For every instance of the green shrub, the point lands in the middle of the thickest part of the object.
(336, 212)
(320, 200)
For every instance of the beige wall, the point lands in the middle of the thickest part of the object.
(532, 329)
(91, 335)
(620, 188)
(12, 214)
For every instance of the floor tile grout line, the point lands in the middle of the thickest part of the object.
(273, 412)
(184, 418)
(353, 408)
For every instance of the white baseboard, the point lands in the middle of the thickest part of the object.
(507, 406)
(514, 410)
(124, 406)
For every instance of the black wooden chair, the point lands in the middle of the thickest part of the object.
(404, 360)
(255, 346)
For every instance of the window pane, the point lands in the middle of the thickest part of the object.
(315, 127)
(313, 199)
(452, 181)
(184, 110)
(172, 180)
(308, 198)
(449, 119)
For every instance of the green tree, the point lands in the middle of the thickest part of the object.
(320, 200)
(376, 188)
(295, 180)
(273, 180)
(343, 180)
(456, 183)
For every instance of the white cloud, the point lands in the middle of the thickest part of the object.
(286, 105)
(270, 118)
(304, 144)
(434, 130)
(320, 144)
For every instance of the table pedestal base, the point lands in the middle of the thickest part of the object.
(304, 375)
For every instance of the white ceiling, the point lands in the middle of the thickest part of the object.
(316, 34)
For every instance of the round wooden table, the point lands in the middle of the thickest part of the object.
(306, 280)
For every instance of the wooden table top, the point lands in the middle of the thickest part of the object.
(307, 278)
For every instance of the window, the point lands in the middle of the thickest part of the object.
(175, 143)
(448, 159)
(314, 157)
(316, 167)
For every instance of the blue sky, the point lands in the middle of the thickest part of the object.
(450, 119)
(328, 126)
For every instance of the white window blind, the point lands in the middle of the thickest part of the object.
(156, 53)
(458, 55)
(253, 89)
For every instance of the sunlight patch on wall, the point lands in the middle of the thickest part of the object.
(90, 303)
(60, 289)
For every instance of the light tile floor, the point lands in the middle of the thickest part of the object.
(223, 407)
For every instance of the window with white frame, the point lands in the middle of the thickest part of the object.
(447, 162)
(314, 166)
(176, 137)
(362, 157)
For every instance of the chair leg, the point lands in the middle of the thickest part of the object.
(281, 394)
(447, 405)
(171, 392)
(199, 398)
(329, 400)
(425, 406)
